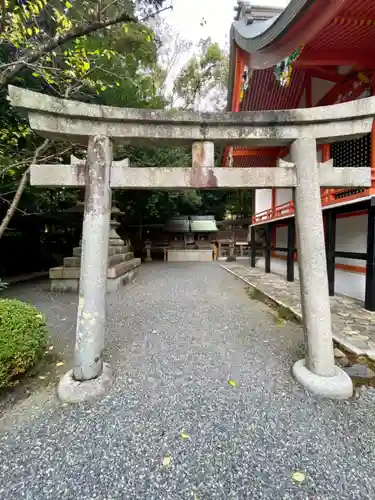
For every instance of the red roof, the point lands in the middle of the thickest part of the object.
(333, 33)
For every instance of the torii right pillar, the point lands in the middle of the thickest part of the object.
(317, 372)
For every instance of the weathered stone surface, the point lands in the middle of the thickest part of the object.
(337, 386)
(66, 279)
(71, 120)
(64, 273)
(122, 268)
(73, 391)
(312, 259)
(114, 284)
(209, 177)
(91, 314)
(114, 250)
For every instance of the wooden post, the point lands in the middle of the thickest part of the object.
(253, 247)
(290, 251)
(330, 238)
(268, 248)
(370, 262)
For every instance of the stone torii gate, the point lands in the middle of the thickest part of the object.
(99, 127)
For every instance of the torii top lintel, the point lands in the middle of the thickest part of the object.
(75, 121)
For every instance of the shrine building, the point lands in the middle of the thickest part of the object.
(313, 53)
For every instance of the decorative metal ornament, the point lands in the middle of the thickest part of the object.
(245, 82)
(283, 70)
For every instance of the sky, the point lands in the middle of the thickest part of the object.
(186, 16)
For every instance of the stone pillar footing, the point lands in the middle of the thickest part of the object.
(339, 386)
(231, 258)
(70, 390)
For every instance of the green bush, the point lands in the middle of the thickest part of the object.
(23, 338)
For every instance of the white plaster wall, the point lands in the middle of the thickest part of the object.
(263, 200)
(351, 236)
(283, 196)
(350, 284)
(281, 239)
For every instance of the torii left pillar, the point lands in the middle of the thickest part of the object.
(90, 377)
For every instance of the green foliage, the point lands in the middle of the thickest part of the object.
(23, 337)
(115, 66)
(202, 82)
(112, 66)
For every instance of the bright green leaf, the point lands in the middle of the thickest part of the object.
(298, 476)
(167, 460)
(233, 383)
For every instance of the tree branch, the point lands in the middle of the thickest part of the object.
(58, 40)
(13, 206)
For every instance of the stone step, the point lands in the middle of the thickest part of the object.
(114, 250)
(72, 262)
(67, 273)
(121, 257)
(112, 260)
(122, 268)
(70, 273)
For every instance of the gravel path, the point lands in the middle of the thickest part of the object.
(177, 336)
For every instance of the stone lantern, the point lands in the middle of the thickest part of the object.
(148, 250)
(232, 255)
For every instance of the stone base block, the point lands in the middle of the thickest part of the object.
(340, 386)
(64, 285)
(66, 279)
(113, 250)
(189, 255)
(113, 284)
(231, 258)
(112, 259)
(74, 391)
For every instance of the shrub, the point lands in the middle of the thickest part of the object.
(23, 338)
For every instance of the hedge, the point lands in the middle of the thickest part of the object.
(23, 339)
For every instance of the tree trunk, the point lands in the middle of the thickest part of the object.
(21, 186)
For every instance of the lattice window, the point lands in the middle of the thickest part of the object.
(353, 153)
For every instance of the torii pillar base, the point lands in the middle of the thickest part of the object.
(338, 386)
(72, 391)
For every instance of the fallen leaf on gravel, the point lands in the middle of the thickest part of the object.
(42, 377)
(50, 348)
(233, 383)
(184, 435)
(167, 460)
(298, 477)
(280, 322)
(60, 363)
(196, 497)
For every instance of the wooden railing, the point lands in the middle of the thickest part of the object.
(284, 210)
(328, 196)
